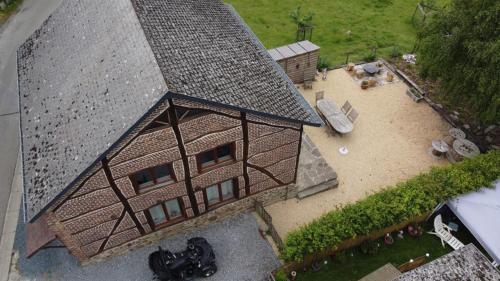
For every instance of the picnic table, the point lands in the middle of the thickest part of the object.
(334, 116)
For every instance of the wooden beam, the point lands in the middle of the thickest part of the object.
(185, 161)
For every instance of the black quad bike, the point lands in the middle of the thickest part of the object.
(198, 260)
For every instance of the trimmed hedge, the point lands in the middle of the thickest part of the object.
(393, 205)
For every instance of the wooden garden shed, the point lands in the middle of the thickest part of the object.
(298, 60)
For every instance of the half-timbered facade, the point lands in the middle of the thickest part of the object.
(150, 137)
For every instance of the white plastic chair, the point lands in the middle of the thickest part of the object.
(443, 231)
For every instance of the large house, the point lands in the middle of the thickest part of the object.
(145, 118)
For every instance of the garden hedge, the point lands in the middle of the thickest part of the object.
(406, 200)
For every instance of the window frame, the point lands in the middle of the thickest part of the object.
(151, 172)
(218, 163)
(221, 201)
(170, 220)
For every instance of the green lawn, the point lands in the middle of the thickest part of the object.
(359, 265)
(381, 23)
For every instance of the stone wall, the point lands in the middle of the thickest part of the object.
(106, 214)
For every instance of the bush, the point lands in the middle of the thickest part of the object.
(370, 57)
(395, 53)
(322, 63)
(407, 200)
(280, 276)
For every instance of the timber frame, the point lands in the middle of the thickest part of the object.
(169, 107)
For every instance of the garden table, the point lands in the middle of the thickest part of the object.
(334, 116)
(370, 68)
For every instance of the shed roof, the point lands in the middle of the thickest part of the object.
(292, 50)
(95, 68)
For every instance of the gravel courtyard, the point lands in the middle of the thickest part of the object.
(389, 144)
(242, 254)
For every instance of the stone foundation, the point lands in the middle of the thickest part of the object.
(266, 197)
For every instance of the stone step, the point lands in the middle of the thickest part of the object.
(317, 188)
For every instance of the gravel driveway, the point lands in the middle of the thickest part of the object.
(242, 255)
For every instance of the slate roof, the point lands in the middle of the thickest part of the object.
(466, 263)
(206, 51)
(95, 68)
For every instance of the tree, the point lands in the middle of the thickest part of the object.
(460, 46)
(304, 23)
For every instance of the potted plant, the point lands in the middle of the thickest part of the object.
(364, 84)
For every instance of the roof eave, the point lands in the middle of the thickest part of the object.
(314, 122)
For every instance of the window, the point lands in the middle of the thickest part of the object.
(166, 212)
(220, 192)
(152, 176)
(215, 156)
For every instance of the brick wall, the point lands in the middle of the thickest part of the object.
(93, 219)
(266, 197)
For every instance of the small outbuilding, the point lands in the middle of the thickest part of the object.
(298, 60)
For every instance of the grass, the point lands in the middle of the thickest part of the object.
(10, 9)
(382, 23)
(359, 265)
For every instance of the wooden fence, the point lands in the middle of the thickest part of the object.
(259, 208)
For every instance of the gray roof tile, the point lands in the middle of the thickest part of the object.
(85, 77)
(466, 263)
(206, 51)
(94, 68)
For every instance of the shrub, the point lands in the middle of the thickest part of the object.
(322, 63)
(280, 276)
(406, 200)
(395, 53)
(370, 57)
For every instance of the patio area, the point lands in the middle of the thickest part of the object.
(389, 144)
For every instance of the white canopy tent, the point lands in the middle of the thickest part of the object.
(480, 213)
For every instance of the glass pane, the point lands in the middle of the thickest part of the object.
(224, 152)
(227, 189)
(212, 195)
(143, 179)
(173, 208)
(207, 158)
(163, 173)
(157, 215)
